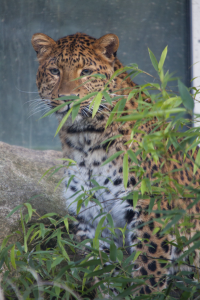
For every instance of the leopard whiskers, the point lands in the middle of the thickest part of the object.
(32, 101)
(83, 111)
(26, 91)
(37, 111)
(39, 108)
(104, 106)
(88, 110)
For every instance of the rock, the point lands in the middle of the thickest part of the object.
(20, 172)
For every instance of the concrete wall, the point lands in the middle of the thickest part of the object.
(138, 23)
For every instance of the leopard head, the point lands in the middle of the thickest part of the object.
(75, 56)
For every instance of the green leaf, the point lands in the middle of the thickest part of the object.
(42, 230)
(125, 170)
(105, 270)
(64, 119)
(162, 58)
(102, 76)
(197, 162)
(112, 157)
(71, 97)
(136, 255)
(97, 102)
(156, 229)
(107, 97)
(153, 60)
(59, 182)
(122, 103)
(190, 250)
(110, 220)
(113, 251)
(112, 138)
(30, 230)
(14, 210)
(143, 186)
(171, 224)
(157, 113)
(187, 99)
(132, 155)
(57, 261)
(75, 110)
(56, 108)
(119, 255)
(112, 113)
(156, 85)
(132, 93)
(98, 229)
(48, 215)
(12, 256)
(66, 224)
(135, 198)
(30, 209)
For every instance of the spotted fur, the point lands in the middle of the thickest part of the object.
(69, 58)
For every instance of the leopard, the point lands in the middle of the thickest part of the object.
(65, 69)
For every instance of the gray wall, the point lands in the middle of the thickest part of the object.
(138, 23)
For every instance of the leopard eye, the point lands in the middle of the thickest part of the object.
(55, 71)
(86, 72)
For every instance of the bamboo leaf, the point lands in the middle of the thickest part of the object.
(119, 255)
(58, 184)
(112, 138)
(14, 210)
(136, 255)
(132, 93)
(162, 58)
(30, 209)
(153, 60)
(48, 215)
(101, 271)
(197, 162)
(57, 261)
(112, 157)
(56, 109)
(98, 229)
(42, 230)
(12, 256)
(97, 102)
(66, 224)
(187, 99)
(113, 251)
(143, 186)
(110, 119)
(64, 119)
(75, 110)
(158, 113)
(125, 170)
(107, 97)
(135, 198)
(122, 103)
(132, 155)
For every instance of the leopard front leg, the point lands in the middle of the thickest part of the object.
(83, 231)
(153, 247)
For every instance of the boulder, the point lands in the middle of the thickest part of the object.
(20, 172)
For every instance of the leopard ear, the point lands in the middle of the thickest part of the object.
(42, 44)
(107, 45)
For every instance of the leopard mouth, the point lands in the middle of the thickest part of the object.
(63, 110)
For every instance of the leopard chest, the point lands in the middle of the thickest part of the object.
(88, 175)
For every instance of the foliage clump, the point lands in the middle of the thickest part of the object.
(47, 262)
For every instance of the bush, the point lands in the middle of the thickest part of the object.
(47, 262)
